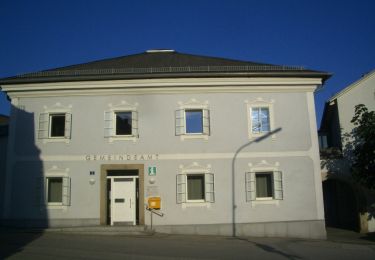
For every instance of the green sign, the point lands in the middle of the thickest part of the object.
(151, 171)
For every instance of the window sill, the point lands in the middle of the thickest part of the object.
(56, 140)
(194, 136)
(195, 201)
(265, 201)
(123, 138)
(254, 136)
(196, 204)
(57, 206)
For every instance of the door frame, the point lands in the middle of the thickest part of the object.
(103, 189)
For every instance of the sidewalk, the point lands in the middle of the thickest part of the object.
(94, 230)
(348, 236)
(333, 234)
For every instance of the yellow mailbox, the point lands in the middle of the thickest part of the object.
(154, 202)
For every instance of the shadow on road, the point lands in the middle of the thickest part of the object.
(270, 249)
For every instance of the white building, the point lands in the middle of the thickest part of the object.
(347, 205)
(91, 143)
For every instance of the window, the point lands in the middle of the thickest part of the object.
(196, 187)
(260, 120)
(55, 126)
(323, 144)
(260, 116)
(53, 191)
(192, 122)
(264, 185)
(121, 125)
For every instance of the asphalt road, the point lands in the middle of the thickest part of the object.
(20, 245)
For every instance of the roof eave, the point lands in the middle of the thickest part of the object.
(300, 74)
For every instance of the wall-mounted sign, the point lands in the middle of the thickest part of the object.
(151, 171)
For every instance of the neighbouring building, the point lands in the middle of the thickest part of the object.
(4, 121)
(226, 147)
(347, 205)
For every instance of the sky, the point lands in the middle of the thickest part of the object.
(332, 36)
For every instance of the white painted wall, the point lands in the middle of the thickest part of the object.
(294, 150)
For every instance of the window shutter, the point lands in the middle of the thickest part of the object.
(209, 187)
(206, 121)
(68, 125)
(250, 186)
(66, 191)
(39, 191)
(135, 123)
(180, 122)
(181, 188)
(43, 126)
(278, 185)
(108, 123)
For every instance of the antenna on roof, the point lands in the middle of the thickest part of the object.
(159, 50)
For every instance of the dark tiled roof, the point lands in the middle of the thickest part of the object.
(162, 64)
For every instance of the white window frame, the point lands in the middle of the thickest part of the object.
(260, 103)
(187, 188)
(270, 173)
(110, 122)
(50, 115)
(186, 122)
(209, 194)
(181, 123)
(65, 189)
(182, 189)
(277, 186)
(115, 122)
(41, 194)
(45, 126)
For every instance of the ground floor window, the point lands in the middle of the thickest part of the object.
(54, 189)
(264, 185)
(195, 187)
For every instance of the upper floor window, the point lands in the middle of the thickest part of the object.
(124, 123)
(192, 122)
(192, 119)
(55, 126)
(260, 120)
(121, 122)
(260, 117)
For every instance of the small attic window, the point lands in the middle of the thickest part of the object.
(159, 50)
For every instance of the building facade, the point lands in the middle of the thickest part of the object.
(228, 147)
(347, 205)
(4, 121)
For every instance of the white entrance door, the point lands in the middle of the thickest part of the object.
(123, 202)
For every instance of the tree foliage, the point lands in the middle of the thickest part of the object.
(363, 144)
